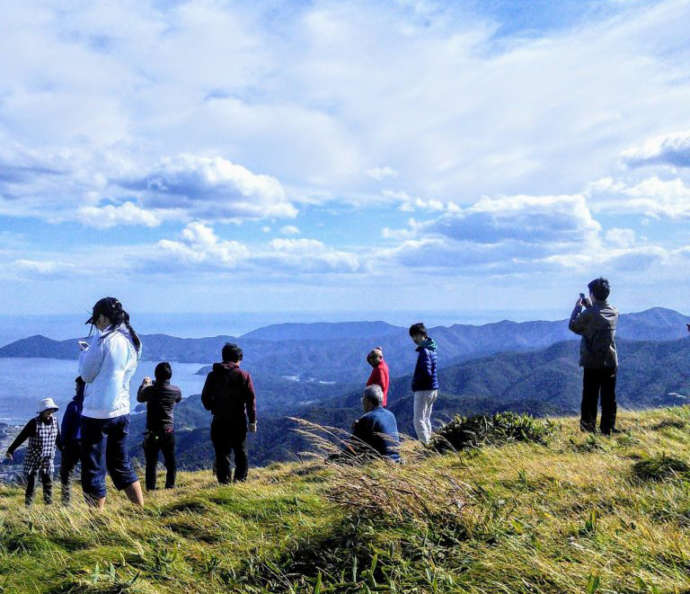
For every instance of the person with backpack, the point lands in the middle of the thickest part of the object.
(42, 432)
(160, 397)
(229, 394)
(69, 441)
(380, 375)
(424, 381)
(107, 365)
(595, 320)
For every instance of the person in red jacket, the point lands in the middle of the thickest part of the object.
(379, 373)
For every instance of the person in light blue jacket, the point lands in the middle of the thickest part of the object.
(107, 363)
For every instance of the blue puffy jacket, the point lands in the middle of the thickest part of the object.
(425, 373)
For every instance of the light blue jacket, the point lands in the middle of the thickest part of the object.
(107, 367)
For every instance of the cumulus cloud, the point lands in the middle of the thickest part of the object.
(501, 235)
(211, 187)
(200, 245)
(652, 197)
(200, 248)
(670, 149)
(531, 219)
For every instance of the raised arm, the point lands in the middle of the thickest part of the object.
(28, 431)
(579, 319)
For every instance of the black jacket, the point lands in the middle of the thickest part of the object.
(160, 398)
(229, 394)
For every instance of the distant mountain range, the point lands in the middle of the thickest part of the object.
(336, 352)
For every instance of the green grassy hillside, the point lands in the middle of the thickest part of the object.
(577, 514)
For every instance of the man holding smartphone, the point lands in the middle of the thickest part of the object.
(595, 320)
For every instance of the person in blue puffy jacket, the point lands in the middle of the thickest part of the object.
(424, 381)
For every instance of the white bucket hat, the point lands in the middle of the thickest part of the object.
(47, 404)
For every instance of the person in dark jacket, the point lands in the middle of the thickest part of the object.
(69, 441)
(42, 432)
(595, 320)
(229, 394)
(377, 427)
(424, 381)
(160, 397)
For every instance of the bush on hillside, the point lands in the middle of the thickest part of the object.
(475, 431)
(660, 468)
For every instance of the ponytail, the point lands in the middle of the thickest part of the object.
(132, 333)
(111, 308)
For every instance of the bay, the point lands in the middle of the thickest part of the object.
(23, 382)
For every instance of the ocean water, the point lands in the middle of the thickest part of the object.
(23, 382)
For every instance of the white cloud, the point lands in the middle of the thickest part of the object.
(201, 246)
(308, 256)
(621, 237)
(669, 149)
(289, 230)
(651, 197)
(43, 267)
(105, 217)
(531, 219)
(212, 188)
(381, 173)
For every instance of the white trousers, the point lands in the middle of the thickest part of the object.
(423, 403)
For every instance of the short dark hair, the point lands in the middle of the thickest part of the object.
(418, 328)
(163, 371)
(231, 352)
(600, 288)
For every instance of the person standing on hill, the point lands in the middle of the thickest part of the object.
(42, 432)
(595, 320)
(379, 374)
(69, 441)
(107, 365)
(160, 397)
(229, 394)
(424, 381)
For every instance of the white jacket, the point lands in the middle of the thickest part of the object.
(107, 367)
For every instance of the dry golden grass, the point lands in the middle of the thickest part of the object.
(569, 516)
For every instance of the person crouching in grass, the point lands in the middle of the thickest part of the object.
(42, 432)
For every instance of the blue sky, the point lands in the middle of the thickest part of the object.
(355, 156)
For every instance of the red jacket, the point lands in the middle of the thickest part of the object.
(379, 376)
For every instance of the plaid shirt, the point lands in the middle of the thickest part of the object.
(40, 454)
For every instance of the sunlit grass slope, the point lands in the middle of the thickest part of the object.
(579, 514)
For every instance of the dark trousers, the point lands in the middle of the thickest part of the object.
(71, 453)
(155, 442)
(227, 439)
(598, 382)
(31, 487)
(104, 447)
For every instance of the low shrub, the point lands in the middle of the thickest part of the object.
(475, 431)
(659, 468)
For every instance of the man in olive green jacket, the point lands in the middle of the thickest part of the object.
(595, 320)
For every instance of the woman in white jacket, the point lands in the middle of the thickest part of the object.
(107, 364)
